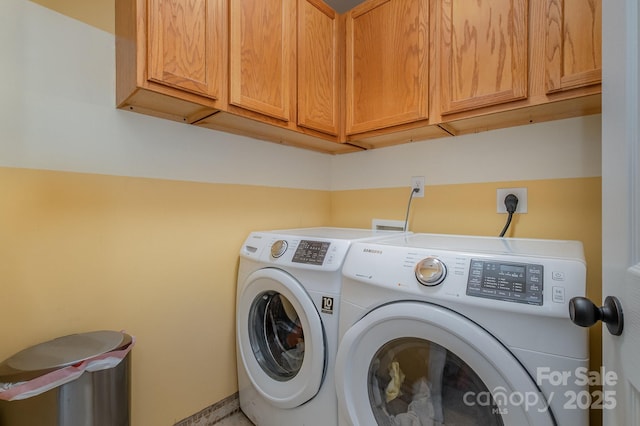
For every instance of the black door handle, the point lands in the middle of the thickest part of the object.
(585, 313)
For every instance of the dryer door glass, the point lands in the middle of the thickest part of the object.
(425, 364)
(415, 381)
(276, 335)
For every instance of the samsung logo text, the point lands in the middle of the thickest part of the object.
(373, 251)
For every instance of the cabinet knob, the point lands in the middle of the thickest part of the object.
(585, 313)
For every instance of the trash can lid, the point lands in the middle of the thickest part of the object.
(65, 351)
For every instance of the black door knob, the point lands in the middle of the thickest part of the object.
(585, 313)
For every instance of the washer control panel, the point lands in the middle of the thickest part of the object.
(305, 252)
(311, 252)
(509, 281)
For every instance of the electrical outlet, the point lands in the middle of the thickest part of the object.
(521, 193)
(418, 182)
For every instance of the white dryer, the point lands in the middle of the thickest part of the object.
(460, 330)
(288, 296)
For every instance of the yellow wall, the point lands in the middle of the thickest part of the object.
(158, 258)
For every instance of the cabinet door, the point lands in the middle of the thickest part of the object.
(483, 49)
(387, 64)
(318, 67)
(573, 44)
(261, 52)
(186, 44)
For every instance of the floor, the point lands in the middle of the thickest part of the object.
(236, 419)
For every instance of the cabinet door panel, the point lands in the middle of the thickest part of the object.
(186, 44)
(261, 55)
(573, 44)
(387, 64)
(318, 67)
(483, 53)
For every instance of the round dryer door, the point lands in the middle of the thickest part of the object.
(280, 337)
(418, 363)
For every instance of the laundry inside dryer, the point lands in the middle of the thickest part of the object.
(416, 380)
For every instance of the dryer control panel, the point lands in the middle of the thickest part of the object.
(515, 282)
(513, 275)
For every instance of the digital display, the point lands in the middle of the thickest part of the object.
(311, 252)
(512, 270)
(512, 282)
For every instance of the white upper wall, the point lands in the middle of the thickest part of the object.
(557, 149)
(57, 112)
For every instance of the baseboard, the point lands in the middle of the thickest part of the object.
(214, 413)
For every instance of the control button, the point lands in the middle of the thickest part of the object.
(430, 271)
(278, 248)
(557, 276)
(557, 294)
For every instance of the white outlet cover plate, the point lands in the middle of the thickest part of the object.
(521, 193)
(419, 182)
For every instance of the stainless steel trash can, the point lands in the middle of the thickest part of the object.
(99, 398)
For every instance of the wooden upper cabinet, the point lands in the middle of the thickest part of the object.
(573, 44)
(483, 48)
(186, 45)
(386, 72)
(262, 56)
(318, 67)
(387, 64)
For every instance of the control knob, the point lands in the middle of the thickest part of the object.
(278, 248)
(430, 271)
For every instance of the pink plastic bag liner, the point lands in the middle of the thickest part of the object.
(31, 388)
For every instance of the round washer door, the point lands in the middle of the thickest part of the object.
(280, 337)
(409, 362)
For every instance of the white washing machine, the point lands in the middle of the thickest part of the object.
(459, 330)
(287, 323)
